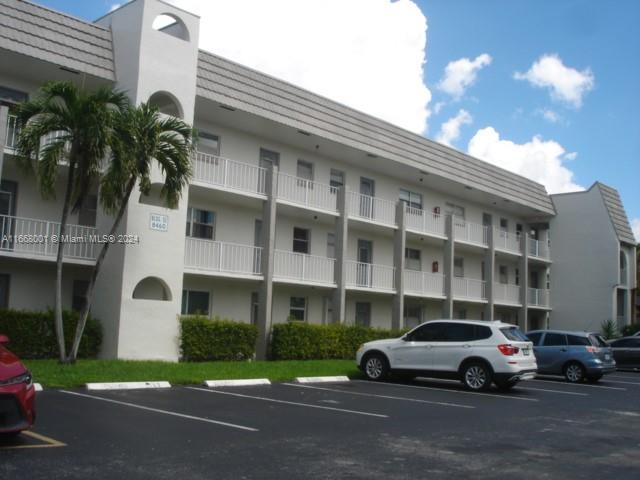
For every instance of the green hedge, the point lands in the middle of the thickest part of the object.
(32, 334)
(202, 339)
(629, 330)
(302, 341)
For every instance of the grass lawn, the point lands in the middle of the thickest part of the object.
(51, 374)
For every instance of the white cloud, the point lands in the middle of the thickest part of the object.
(635, 226)
(570, 156)
(461, 74)
(368, 54)
(540, 160)
(550, 115)
(566, 84)
(438, 106)
(450, 130)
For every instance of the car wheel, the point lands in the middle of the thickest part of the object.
(593, 378)
(505, 386)
(574, 372)
(375, 366)
(476, 376)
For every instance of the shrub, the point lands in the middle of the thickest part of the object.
(609, 329)
(302, 341)
(203, 339)
(629, 330)
(32, 334)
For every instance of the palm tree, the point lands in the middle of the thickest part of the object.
(65, 126)
(142, 134)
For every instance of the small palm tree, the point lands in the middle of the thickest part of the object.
(142, 135)
(609, 329)
(65, 126)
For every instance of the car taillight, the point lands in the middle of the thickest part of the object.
(508, 350)
(592, 349)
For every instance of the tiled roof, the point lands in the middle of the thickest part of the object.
(617, 213)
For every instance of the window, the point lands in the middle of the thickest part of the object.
(88, 209)
(504, 274)
(363, 314)
(269, 158)
(304, 170)
(412, 259)
(412, 315)
(79, 294)
(208, 143)
(486, 219)
(195, 302)
(555, 339)
(535, 337)
(517, 276)
(300, 240)
(483, 272)
(431, 332)
(518, 229)
(576, 340)
(455, 210)
(200, 223)
(411, 199)
(336, 178)
(504, 224)
(514, 334)
(331, 245)
(327, 310)
(461, 314)
(463, 332)
(458, 267)
(4, 290)
(254, 307)
(298, 309)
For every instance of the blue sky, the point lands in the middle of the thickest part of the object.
(598, 38)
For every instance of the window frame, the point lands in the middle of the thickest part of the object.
(409, 201)
(191, 216)
(334, 172)
(293, 308)
(461, 266)
(185, 304)
(306, 241)
(407, 259)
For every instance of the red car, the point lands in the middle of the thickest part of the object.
(17, 394)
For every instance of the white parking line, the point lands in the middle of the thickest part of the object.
(567, 384)
(505, 397)
(285, 402)
(620, 381)
(165, 412)
(444, 404)
(554, 391)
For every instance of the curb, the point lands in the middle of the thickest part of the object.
(127, 385)
(338, 378)
(237, 382)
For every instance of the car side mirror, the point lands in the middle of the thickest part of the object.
(4, 339)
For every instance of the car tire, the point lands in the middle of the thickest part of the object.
(375, 366)
(476, 376)
(574, 372)
(505, 386)
(593, 378)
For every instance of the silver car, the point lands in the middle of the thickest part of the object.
(578, 356)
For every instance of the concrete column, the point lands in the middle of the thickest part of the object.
(265, 294)
(524, 280)
(399, 244)
(339, 271)
(447, 268)
(4, 113)
(489, 276)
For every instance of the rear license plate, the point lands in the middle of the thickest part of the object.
(607, 357)
(525, 351)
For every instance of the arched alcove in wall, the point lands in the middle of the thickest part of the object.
(166, 103)
(171, 25)
(152, 288)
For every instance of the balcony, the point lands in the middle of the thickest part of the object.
(228, 174)
(539, 250)
(469, 289)
(307, 193)
(424, 284)
(301, 268)
(423, 222)
(371, 209)
(13, 131)
(539, 297)
(368, 276)
(221, 258)
(506, 294)
(31, 238)
(469, 232)
(507, 242)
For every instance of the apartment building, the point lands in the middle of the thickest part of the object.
(300, 208)
(592, 242)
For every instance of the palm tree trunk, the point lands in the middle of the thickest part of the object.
(59, 325)
(84, 314)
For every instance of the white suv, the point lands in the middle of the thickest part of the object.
(475, 352)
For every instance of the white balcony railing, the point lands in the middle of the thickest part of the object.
(308, 193)
(304, 268)
(368, 275)
(423, 283)
(229, 174)
(505, 293)
(470, 232)
(371, 208)
(425, 222)
(539, 297)
(31, 237)
(507, 241)
(469, 289)
(539, 249)
(222, 257)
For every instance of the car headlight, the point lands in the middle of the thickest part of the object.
(25, 378)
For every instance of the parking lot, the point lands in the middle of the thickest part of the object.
(420, 429)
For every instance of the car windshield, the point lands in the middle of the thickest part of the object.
(597, 341)
(514, 334)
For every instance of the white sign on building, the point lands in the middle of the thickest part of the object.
(159, 222)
